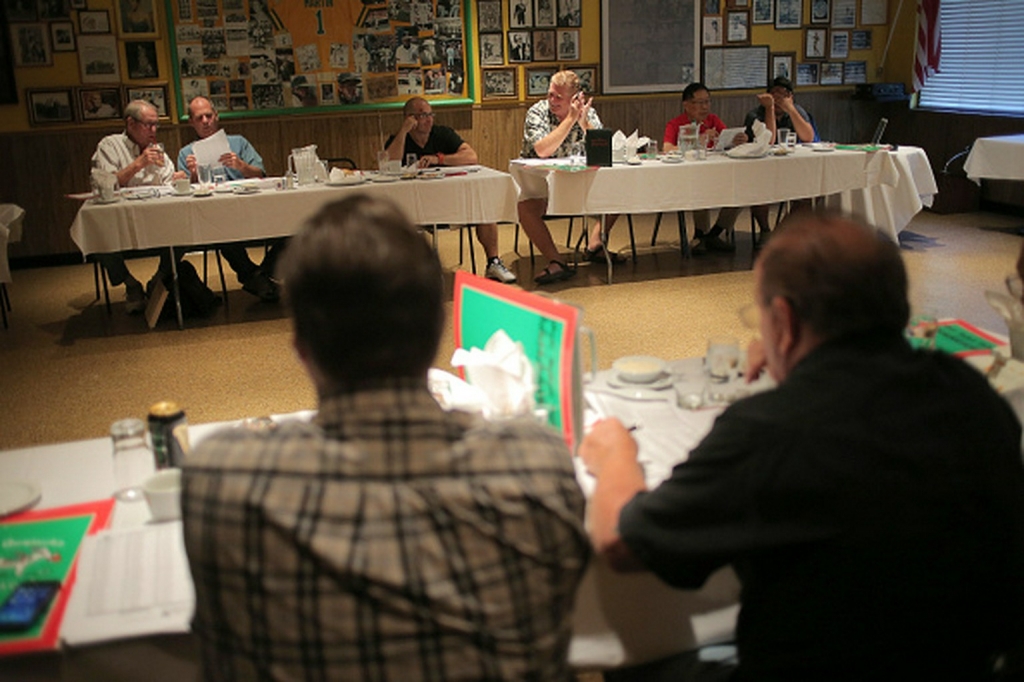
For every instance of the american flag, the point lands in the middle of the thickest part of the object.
(929, 43)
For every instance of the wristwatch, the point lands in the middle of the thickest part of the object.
(440, 159)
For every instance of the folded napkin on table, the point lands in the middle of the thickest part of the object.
(624, 148)
(503, 373)
(756, 149)
(341, 174)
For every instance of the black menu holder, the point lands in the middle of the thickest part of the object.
(599, 147)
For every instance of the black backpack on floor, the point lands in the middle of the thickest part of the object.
(197, 299)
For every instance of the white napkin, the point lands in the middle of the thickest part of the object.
(624, 148)
(503, 373)
(1012, 312)
(756, 149)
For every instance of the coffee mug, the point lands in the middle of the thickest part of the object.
(182, 186)
(163, 494)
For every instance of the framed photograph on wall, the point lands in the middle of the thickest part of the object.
(855, 72)
(31, 44)
(537, 81)
(94, 21)
(839, 45)
(737, 27)
(831, 73)
(155, 94)
(821, 11)
(806, 74)
(500, 83)
(51, 105)
(712, 6)
(98, 59)
(20, 10)
(54, 9)
(99, 104)
(569, 14)
(788, 14)
(736, 68)
(488, 13)
(815, 43)
(140, 56)
(874, 12)
(520, 14)
(136, 18)
(844, 13)
(568, 45)
(62, 34)
(782, 65)
(544, 46)
(712, 33)
(492, 49)
(520, 47)
(587, 76)
(764, 12)
(544, 14)
(860, 40)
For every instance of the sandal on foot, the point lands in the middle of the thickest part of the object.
(597, 256)
(549, 276)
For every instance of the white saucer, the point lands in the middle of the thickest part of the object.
(97, 200)
(16, 496)
(384, 178)
(671, 159)
(659, 384)
(182, 194)
(202, 193)
(342, 183)
(823, 147)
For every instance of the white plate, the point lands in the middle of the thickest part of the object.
(16, 496)
(203, 193)
(671, 159)
(823, 147)
(384, 178)
(358, 180)
(659, 384)
(97, 200)
(182, 194)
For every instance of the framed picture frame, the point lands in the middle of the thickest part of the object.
(874, 12)
(54, 9)
(831, 73)
(544, 14)
(839, 45)
(538, 80)
(62, 36)
(712, 30)
(99, 104)
(739, 3)
(855, 72)
(568, 45)
(520, 47)
(492, 49)
(18, 10)
(544, 46)
(570, 15)
(47, 106)
(154, 93)
(588, 76)
(8, 85)
(782, 65)
(737, 31)
(789, 14)
(815, 43)
(807, 74)
(94, 21)
(736, 68)
(31, 44)
(860, 40)
(488, 15)
(821, 11)
(520, 14)
(711, 6)
(136, 18)
(98, 59)
(500, 83)
(764, 12)
(140, 57)
(79, 4)
(844, 14)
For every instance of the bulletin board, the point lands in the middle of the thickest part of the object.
(264, 57)
(645, 49)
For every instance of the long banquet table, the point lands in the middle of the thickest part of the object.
(620, 619)
(998, 158)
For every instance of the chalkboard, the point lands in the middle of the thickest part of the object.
(649, 46)
(269, 56)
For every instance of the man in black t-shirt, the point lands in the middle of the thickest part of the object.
(442, 146)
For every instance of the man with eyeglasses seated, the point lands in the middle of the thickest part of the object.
(872, 504)
(436, 145)
(137, 159)
(697, 109)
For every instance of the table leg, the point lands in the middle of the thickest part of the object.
(176, 288)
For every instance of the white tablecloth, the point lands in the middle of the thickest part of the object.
(484, 196)
(11, 217)
(998, 158)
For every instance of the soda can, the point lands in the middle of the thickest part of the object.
(168, 431)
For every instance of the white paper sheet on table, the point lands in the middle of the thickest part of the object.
(209, 150)
(131, 582)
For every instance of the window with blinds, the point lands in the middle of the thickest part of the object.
(982, 60)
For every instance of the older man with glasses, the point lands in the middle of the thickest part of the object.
(137, 159)
(436, 145)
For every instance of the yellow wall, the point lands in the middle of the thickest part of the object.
(65, 70)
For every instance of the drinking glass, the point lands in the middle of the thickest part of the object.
(205, 174)
(382, 160)
(782, 136)
(133, 460)
(652, 149)
(219, 175)
(722, 359)
(791, 140)
(411, 161)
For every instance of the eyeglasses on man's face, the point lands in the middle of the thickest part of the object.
(148, 124)
(424, 114)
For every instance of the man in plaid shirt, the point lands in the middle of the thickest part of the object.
(388, 539)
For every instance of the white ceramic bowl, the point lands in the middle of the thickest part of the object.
(639, 369)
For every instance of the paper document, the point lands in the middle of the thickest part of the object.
(209, 150)
(726, 137)
(131, 582)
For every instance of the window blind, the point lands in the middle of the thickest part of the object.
(982, 61)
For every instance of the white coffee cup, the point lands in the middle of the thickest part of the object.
(163, 494)
(182, 186)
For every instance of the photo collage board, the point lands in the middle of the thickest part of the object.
(257, 55)
(833, 32)
(540, 37)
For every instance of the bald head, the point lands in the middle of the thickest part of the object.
(840, 277)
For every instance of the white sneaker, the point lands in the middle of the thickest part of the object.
(497, 271)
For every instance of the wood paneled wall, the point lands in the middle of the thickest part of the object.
(40, 167)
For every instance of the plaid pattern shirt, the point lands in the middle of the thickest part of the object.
(388, 540)
(539, 124)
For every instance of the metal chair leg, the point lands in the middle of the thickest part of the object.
(632, 240)
(684, 241)
(657, 225)
(220, 271)
(568, 234)
(5, 302)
